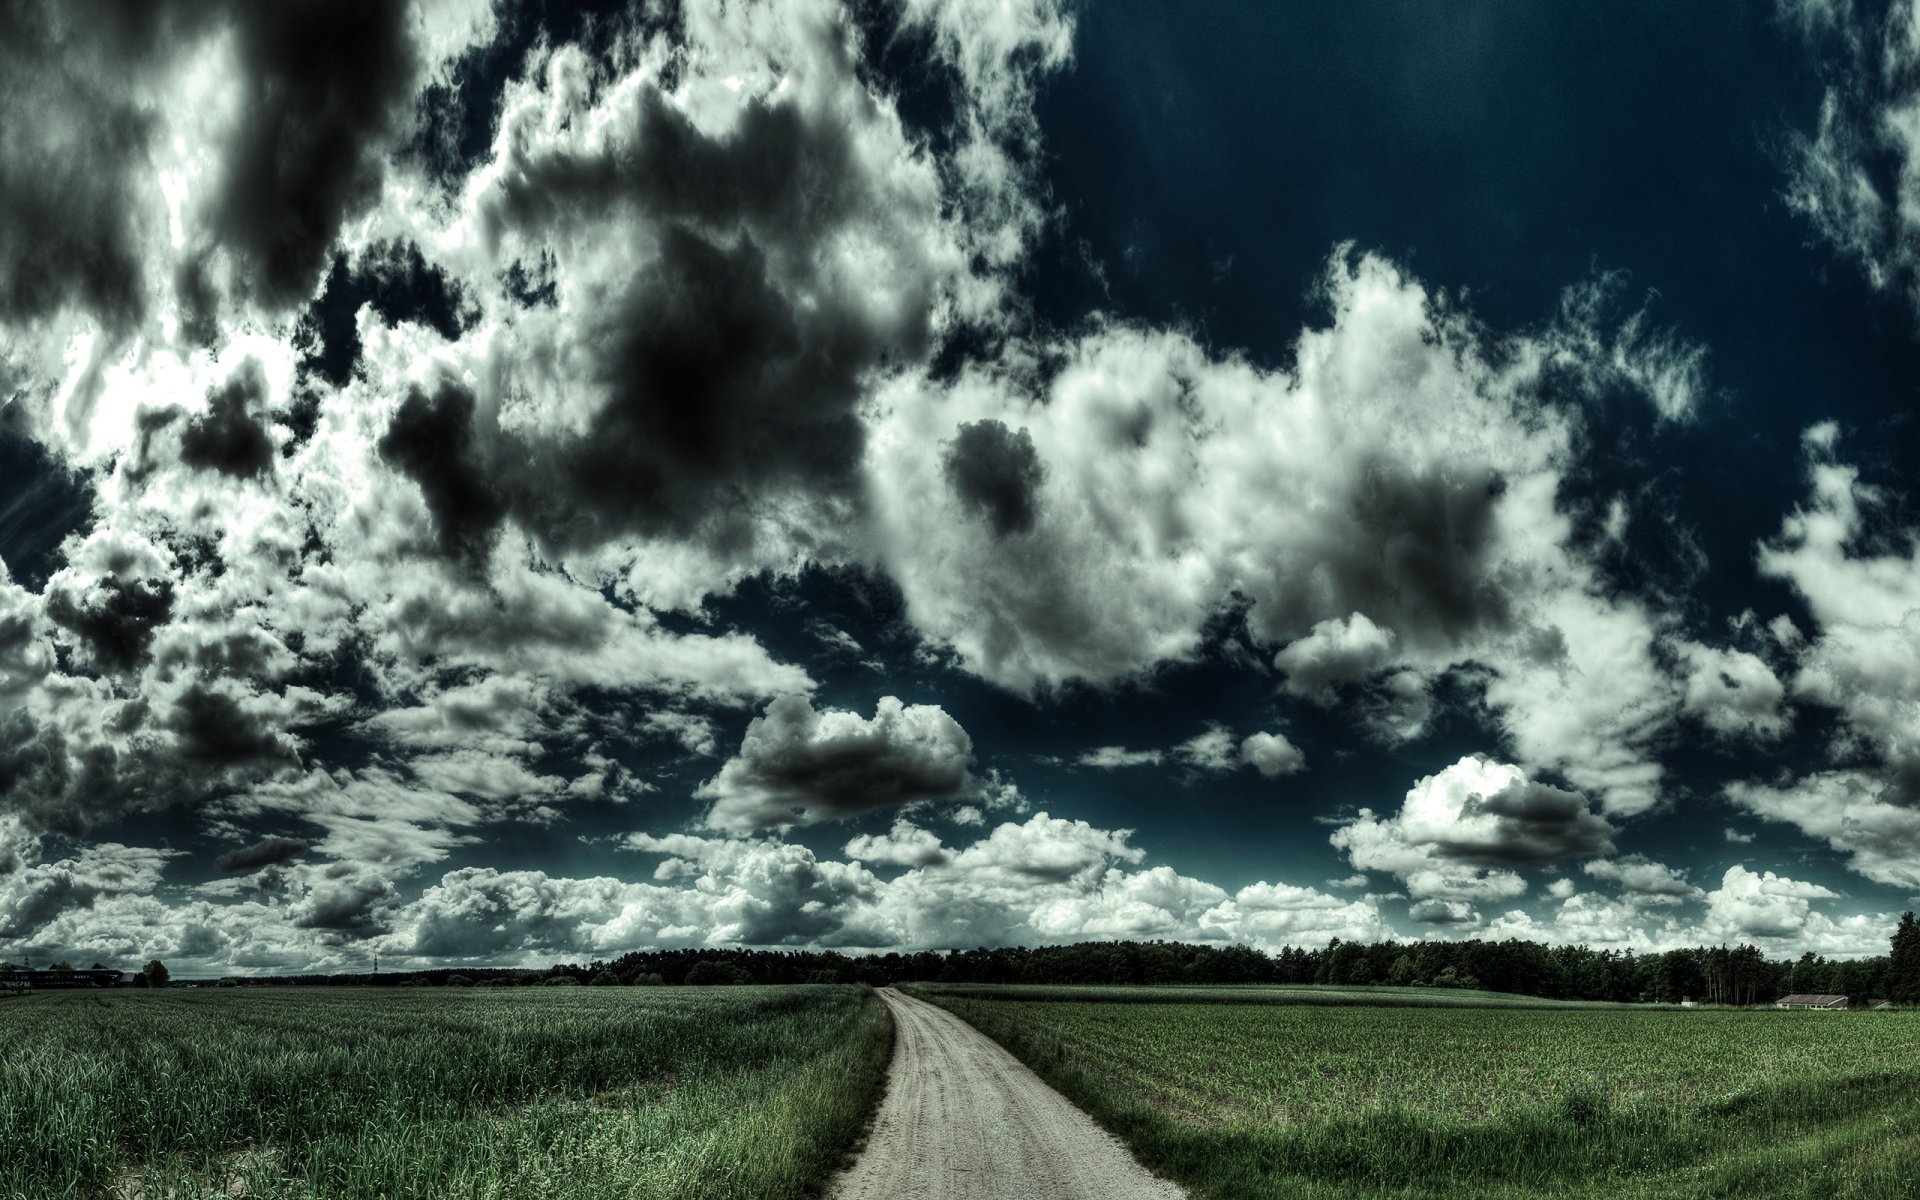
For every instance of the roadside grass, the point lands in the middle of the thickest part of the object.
(736, 1093)
(1348, 1102)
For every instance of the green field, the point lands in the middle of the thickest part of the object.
(1301, 1097)
(580, 1092)
(1259, 993)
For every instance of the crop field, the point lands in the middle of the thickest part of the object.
(1262, 993)
(584, 1092)
(1284, 1099)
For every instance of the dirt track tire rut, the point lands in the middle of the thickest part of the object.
(965, 1120)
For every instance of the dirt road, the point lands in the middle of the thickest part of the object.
(965, 1120)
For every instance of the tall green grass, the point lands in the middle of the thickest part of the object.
(725, 1093)
(1264, 1100)
(1335, 995)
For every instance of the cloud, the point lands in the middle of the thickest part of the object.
(1209, 750)
(905, 845)
(267, 852)
(1272, 755)
(1443, 912)
(346, 901)
(1337, 651)
(1000, 51)
(800, 767)
(168, 156)
(430, 440)
(1466, 833)
(1173, 488)
(1851, 811)
(1659, 364)
(1108, 758)
(33, 897)
(323, 89)
(1855, 177)
(1734, 693)
(230, 437)
(997, 474)
(1761, 905)
(1863, 660)
(1644, 881)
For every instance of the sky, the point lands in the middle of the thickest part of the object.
(526, 481)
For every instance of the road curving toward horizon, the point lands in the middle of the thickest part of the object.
(965, 1120)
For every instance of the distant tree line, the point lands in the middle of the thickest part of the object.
(1712, 975)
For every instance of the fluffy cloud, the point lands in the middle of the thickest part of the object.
(1778, 913)
(1272, 755)
(1851, 811)
(1049, 879)
(799, 767)
(1465, 834)
(905, 845)
(1733, 692)
(1336, 651)
(1862, 661)
(1157, 484)
(1643, 881)
(33, 897)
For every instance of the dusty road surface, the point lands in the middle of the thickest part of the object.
(965, 1120)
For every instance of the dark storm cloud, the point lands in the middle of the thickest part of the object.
(777, 173)
(399, 283)
(37, 900)
(267, 852)
(216, 732)
(71, 154)
(323, 86)
(41, 504)
(720, 389)
(1443, 912)
(733, 367)
(346, 902)
(716, 390)
(115, 619)
(1413, 553)
(798, 766)
(996, 473)
(1534, 825)
(229, 438)
(432, 440)
(57, 783)
(199, 302)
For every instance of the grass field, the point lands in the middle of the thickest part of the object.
(1261, 993)
(1285, 1098)
(581, 1092)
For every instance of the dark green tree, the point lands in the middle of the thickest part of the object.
(1903, 972)
(156, 974)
